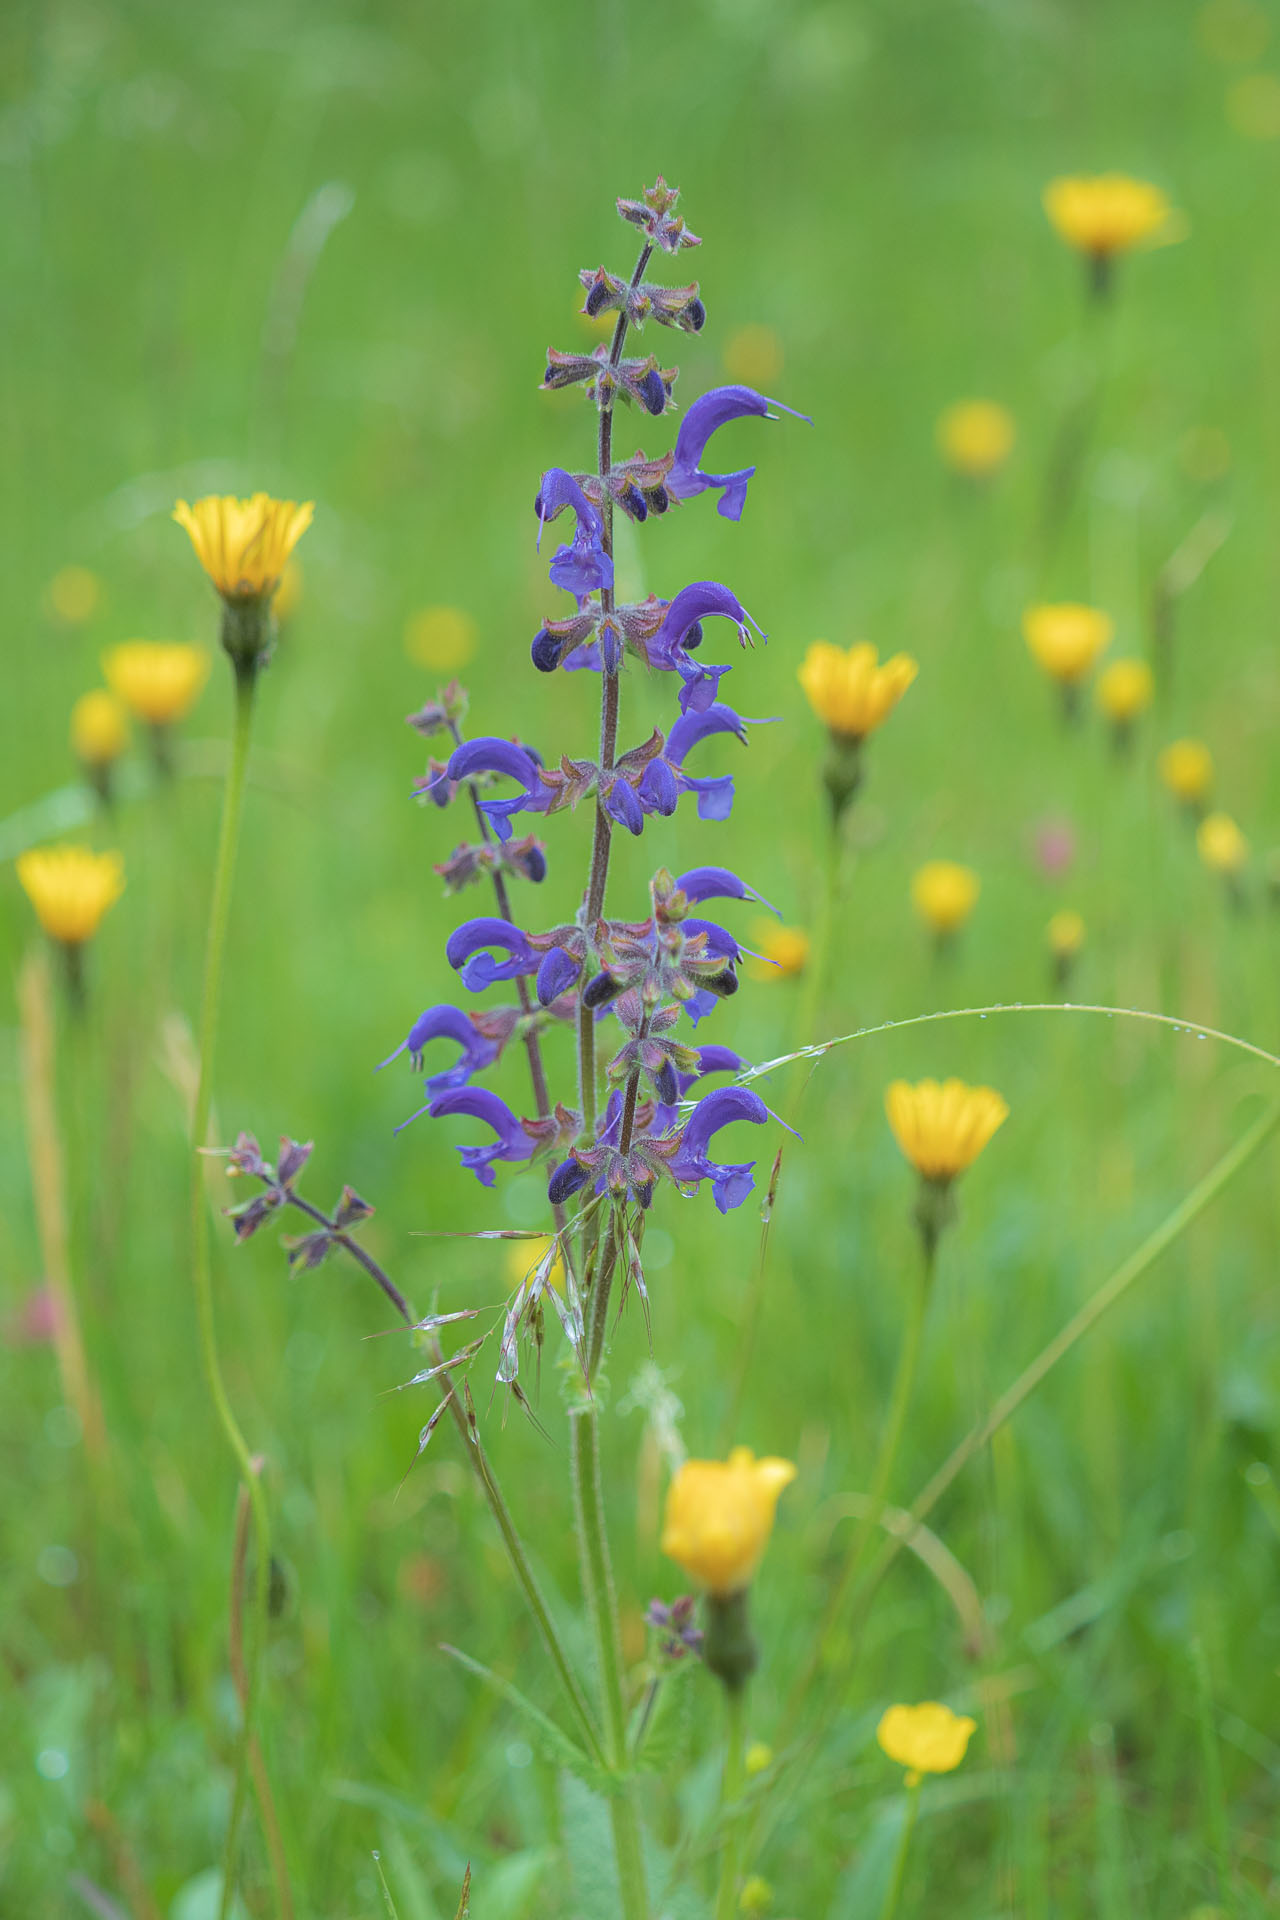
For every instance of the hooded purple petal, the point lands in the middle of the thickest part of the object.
(445, 1023)
(692, 1162)
(465, 949)
(712, 411)
(512, 1142)
(582, 566)
(490, 755)
(717, 883)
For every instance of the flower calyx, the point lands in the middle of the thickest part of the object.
(670, 306)
(471, 861)
(638, 381)
(654, 213)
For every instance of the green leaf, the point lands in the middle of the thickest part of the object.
(554, 1743)
(588, 1843)
(666, 1738)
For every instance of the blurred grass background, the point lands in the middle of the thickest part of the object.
(867, 183)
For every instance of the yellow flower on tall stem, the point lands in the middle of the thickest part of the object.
(975, 437)
(71, 890)
(1105, 215)
(159, 681)
(99, 735)
(1065, 639)
(1124, 692)
(941, 1129)
(1224, 850)
(924, 1739)
(944, 894)
(852, 694)
(244, 546)
(1186, 767)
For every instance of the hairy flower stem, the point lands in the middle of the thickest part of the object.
(731, 1789)
(219, 916)
(597, 1580)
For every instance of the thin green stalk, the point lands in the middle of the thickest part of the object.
(597, 1580)
(201, 1270)
(1214, 1788)
(897, 1879)
(731, 1789)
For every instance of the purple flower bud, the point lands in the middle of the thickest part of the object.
(597, 298)
(632, 501)
(667, 1085)
(600, 989)
(659, 789)
(556, 975)
(565, 1181)
(659, 499)
(694, 316)
(622, 803)
(545, 651)
(653, 393)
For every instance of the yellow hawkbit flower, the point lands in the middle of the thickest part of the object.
(1065, 934)
(925, 1739)
(442, 638)
(71, 889)
(943, 1128)
(1067, 638)
(975, 437)
(753, 356)
(99, 730)
(720, 1515)
(73, 595)
(1125, 689)
(851, 692)
(1186, 767)
(1223, 847)
(244, 545)
(784, 951)
(944, 894)
(158, 680)
(1105, 214)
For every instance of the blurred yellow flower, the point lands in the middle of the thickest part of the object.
(1066, 934)
(943, 1128)
(975, 437)
(785, 951)
(851, 692)
(1105, 214)
(1223, 847)
(99, 730)
(1186, 767)
(753, 356)
(720, 1515)
(71, 889)
(756, 1896)
(442, 638)
(758, 1758)
(925, 1739)
(1067, 638)
(288, 593)
(944, 894)
(1125, 689)
(525, 1255)
(158, 680)
(1253, 107)
(73, 595)
(244, 545)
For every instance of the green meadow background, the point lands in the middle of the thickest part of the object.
(321, 250)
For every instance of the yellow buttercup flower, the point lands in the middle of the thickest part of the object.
(1223, 847)
(925, 1739)
(1105, 214)
(1125, 689)
(944, 894)
(1186, 767)
(73, 595)
(784, 950)
(975, 437)
(720, 1515)
(71, 889)
(1065, 934)
(851, 692)
(244, 545)
(943, 1128)
(99, 730)
(442, 638)
(158, 680)
(1066, 638)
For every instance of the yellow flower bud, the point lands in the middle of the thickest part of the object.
(158, 680)
(71, 889)
(944, 894)
(1125, 689)
(785, 951)
(1067, 638)
(851, 692)
(1223, 847)
(925, 1739)
(441, 638)
(975, 437)
(244, 545)
(1065, 934)
(720, 1515)
(1186, 767)
(99, 730)
(1105, 214)
(943, 1128)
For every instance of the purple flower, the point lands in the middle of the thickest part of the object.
(490, 755)
(584, 566)
(717, 883)
(692, 1163)
(682, 623)
(465, 949)
(512, 1142)
(665, 778)
(556, 975)
(711, 1060)
(444, 1023)
(711, 411)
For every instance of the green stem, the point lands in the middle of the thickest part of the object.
(597, 1580)
(735, 1775)
(201, 1270)
(894, 1892)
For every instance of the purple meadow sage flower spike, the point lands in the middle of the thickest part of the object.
(445, 1023)
(712, 411)
(512, 1143)
(465, 951)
